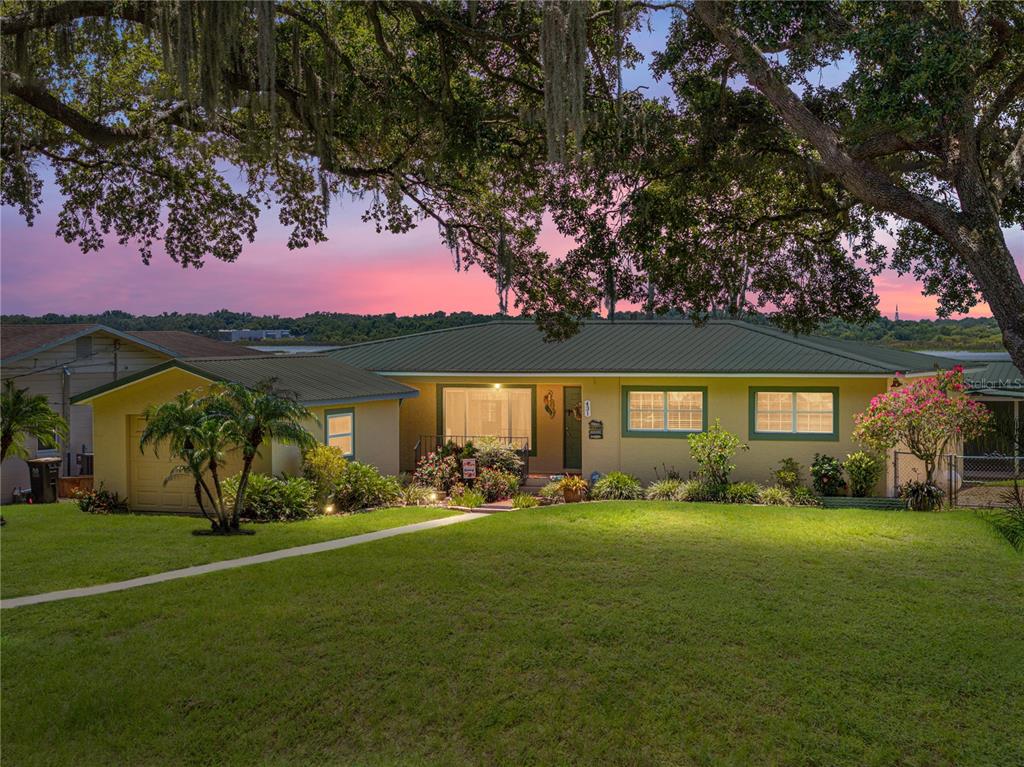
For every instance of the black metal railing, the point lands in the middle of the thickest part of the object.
(431, 443)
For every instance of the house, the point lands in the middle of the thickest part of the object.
(617, 396)
(354, 410)
(626, 395)
(61, 361)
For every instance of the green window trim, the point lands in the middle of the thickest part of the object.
(792, 436)
(533, 406)
(327, 427)
(665, 433)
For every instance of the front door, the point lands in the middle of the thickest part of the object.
(572, 450)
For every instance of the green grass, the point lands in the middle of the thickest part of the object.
(56, 546)
(614, 633)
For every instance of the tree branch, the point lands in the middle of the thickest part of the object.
(864, 180)
(1011, 172)
(52, 15)
(95, 132)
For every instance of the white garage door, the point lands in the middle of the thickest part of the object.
(147, 472)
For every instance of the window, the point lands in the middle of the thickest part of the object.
(341, 431)
(649, 411)
(488, 411)
(794, 413)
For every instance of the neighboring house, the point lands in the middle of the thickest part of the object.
(617, 396)
(624, 396)
(354, 410)
(1000, 386)
(60, 361)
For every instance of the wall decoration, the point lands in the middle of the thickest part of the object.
(595, 429)
(549, 404)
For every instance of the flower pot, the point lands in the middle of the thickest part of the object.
(572, 496)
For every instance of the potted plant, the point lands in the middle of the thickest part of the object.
(573, 487)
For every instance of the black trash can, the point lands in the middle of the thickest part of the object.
(43, 473)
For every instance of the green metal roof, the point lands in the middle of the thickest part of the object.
(996, 379)
(314, 379)
(719, 347)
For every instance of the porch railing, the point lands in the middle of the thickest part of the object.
(430, 443)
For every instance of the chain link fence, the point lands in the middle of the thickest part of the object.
(977, 481)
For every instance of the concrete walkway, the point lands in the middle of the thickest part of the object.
(228, 564)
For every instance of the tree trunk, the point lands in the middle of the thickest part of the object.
(222, 516)
(243, 484)
(973, 232)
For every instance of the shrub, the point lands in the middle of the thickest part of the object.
(269, 499)
(788, 474)
(100, 501)
(362, 487)
(700, 490)
(573, 486)
(1010, 520)
(524, 501)
(687, 491)
(664, 489)
(773, 496)
(617, 486)
(827, 475)
(713, 451)
(471, 499)
(864, 471)
(419, 495)
(437, 470)
(803, 496)
(492, 453)
(921, 496)
(742, 492)
(496, 485)
(551, 493)
(324, 466)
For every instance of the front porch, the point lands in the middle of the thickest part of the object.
(542, 421)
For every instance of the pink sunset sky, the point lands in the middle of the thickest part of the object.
(356, 270)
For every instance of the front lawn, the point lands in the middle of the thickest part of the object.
(56, 546)
(603, 633)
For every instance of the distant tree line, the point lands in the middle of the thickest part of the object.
(970, 334)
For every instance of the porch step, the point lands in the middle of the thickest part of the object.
(535, 482)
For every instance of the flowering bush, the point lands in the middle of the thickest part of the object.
(924, 415)
(497, 485)
(492, 453)
(437, 470)
(827, 475)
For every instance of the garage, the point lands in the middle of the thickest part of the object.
(147, 490)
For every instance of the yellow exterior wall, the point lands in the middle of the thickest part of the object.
(111, 414)
(727, 400)
(376, 437)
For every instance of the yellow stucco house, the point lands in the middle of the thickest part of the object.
(354, 410)
(616, 396)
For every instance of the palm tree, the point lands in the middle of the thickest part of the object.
(253, 415)
(197, 437)
(27, 415)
